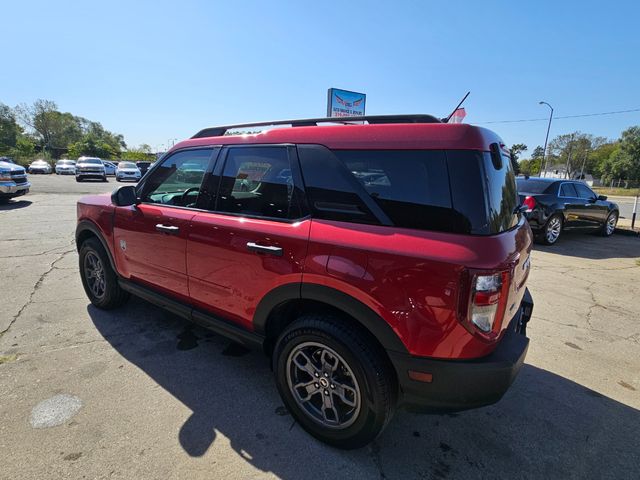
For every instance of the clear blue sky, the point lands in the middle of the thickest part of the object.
(159, 70)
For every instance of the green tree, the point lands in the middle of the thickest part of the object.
(624, 161)
(9, 129)
(516, 150)
(143, 152)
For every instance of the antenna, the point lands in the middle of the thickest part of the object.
(446, 120)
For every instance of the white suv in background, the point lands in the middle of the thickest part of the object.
(90, 167)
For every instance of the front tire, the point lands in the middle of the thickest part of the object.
(99, 280)
(78, 179)
(335, 380)
(609, 225)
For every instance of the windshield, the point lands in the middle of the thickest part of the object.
(126, 165)
(66, 162)
(530, 185)
(95, 161)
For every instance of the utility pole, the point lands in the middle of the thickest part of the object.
(584, 161)
(546, 139)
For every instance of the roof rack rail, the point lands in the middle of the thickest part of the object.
(308, 122)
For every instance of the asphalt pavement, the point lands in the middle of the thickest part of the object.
(138, 393)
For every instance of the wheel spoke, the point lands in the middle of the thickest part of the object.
(347, 394)
(310, 388)
(327, 405)
(307, 366)
(328, 361)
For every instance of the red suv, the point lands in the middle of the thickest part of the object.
(377, 264)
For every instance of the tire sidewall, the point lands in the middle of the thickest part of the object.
(361, 430)
(606, 222)
(112, 288)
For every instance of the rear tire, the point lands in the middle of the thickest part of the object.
(99, 280)
(346, 392)
(552, 230)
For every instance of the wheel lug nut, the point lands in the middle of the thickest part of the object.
(326, 374)
(326, 392)
(333, 386)
(317, 374)
(317, 385)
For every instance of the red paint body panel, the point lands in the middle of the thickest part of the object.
(98, 210)
(151, 257)
(395, 136)
(413, 278)
(228, 279)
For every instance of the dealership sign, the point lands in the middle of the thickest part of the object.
(343, 103)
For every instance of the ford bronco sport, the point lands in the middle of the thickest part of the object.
(377, 264)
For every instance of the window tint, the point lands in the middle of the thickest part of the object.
(467, 192)
(177, 173)
(410, 186)
(333, 192)
(529, 185)
(258, 181)
(568, 190)
(584, 191)
(502, 195)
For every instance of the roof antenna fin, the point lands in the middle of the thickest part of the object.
(446, 120)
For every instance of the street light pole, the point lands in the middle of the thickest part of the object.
(546, 139)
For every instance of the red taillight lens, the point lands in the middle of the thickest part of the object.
(487, 302)
(530, 203)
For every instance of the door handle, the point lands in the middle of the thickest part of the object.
(170, 229)
(254, 247)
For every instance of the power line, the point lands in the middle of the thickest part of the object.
(559, 118)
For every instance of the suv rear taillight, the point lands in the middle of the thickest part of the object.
(487, 303)
(530, 203)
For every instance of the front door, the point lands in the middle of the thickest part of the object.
(150, 238)
(254, 236)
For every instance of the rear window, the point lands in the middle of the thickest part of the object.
(456, 191)
(529, 185)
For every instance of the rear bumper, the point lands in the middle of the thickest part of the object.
(464, 384)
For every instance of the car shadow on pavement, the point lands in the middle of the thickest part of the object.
(592, 246)
(545, 427)
(14, 204)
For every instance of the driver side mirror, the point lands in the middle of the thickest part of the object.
(602, 197)
(125, 196)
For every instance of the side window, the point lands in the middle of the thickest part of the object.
(568, 190)
(177, 179)
(410, 186)
(258, 181)
(584, 191)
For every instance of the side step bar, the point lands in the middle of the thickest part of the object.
(226, 329)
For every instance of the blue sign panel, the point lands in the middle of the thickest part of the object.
(343, 103)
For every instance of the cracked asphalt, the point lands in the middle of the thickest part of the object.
(138, 393)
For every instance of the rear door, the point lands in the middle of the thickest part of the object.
(150, 238)
(254, 236)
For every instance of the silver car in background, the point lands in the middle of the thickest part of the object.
(127, 171)
(65, 167)
(90, 167)
(109, 167)
(39, 166)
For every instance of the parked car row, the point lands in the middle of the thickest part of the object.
(89, 167)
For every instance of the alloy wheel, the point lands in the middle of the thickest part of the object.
(612, 220)
(553, 229)
(95, 274)
(323, 385)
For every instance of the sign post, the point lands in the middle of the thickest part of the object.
(343, 103)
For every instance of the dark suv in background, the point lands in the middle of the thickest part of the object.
(377, 265)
